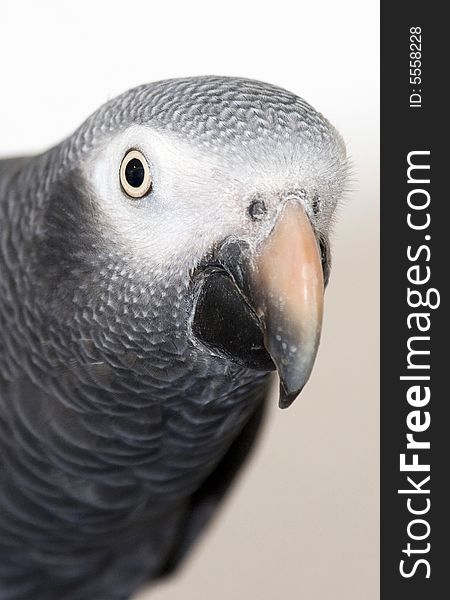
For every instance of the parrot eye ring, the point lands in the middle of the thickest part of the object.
(135, 177)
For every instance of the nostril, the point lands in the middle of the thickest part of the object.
(316, 204)
(257, 210)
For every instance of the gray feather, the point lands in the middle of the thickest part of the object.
(113, 420)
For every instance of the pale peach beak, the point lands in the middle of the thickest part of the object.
(288, 284)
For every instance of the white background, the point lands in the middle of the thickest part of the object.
(303, 519)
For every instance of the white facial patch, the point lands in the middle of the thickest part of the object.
(186, 210)
(198, 197)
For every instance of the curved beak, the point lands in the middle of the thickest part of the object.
(288, 288)
(263, 308)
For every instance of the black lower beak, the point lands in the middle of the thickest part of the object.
(225, 322)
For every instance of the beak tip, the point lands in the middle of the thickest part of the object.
(286, 397)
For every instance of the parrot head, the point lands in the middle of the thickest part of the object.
(194, 215)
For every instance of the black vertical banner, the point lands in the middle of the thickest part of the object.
(415, 262)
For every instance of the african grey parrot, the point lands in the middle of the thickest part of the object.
(156, 266)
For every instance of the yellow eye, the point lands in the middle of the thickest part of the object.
(135, 177)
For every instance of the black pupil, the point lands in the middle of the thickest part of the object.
(134, 172)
